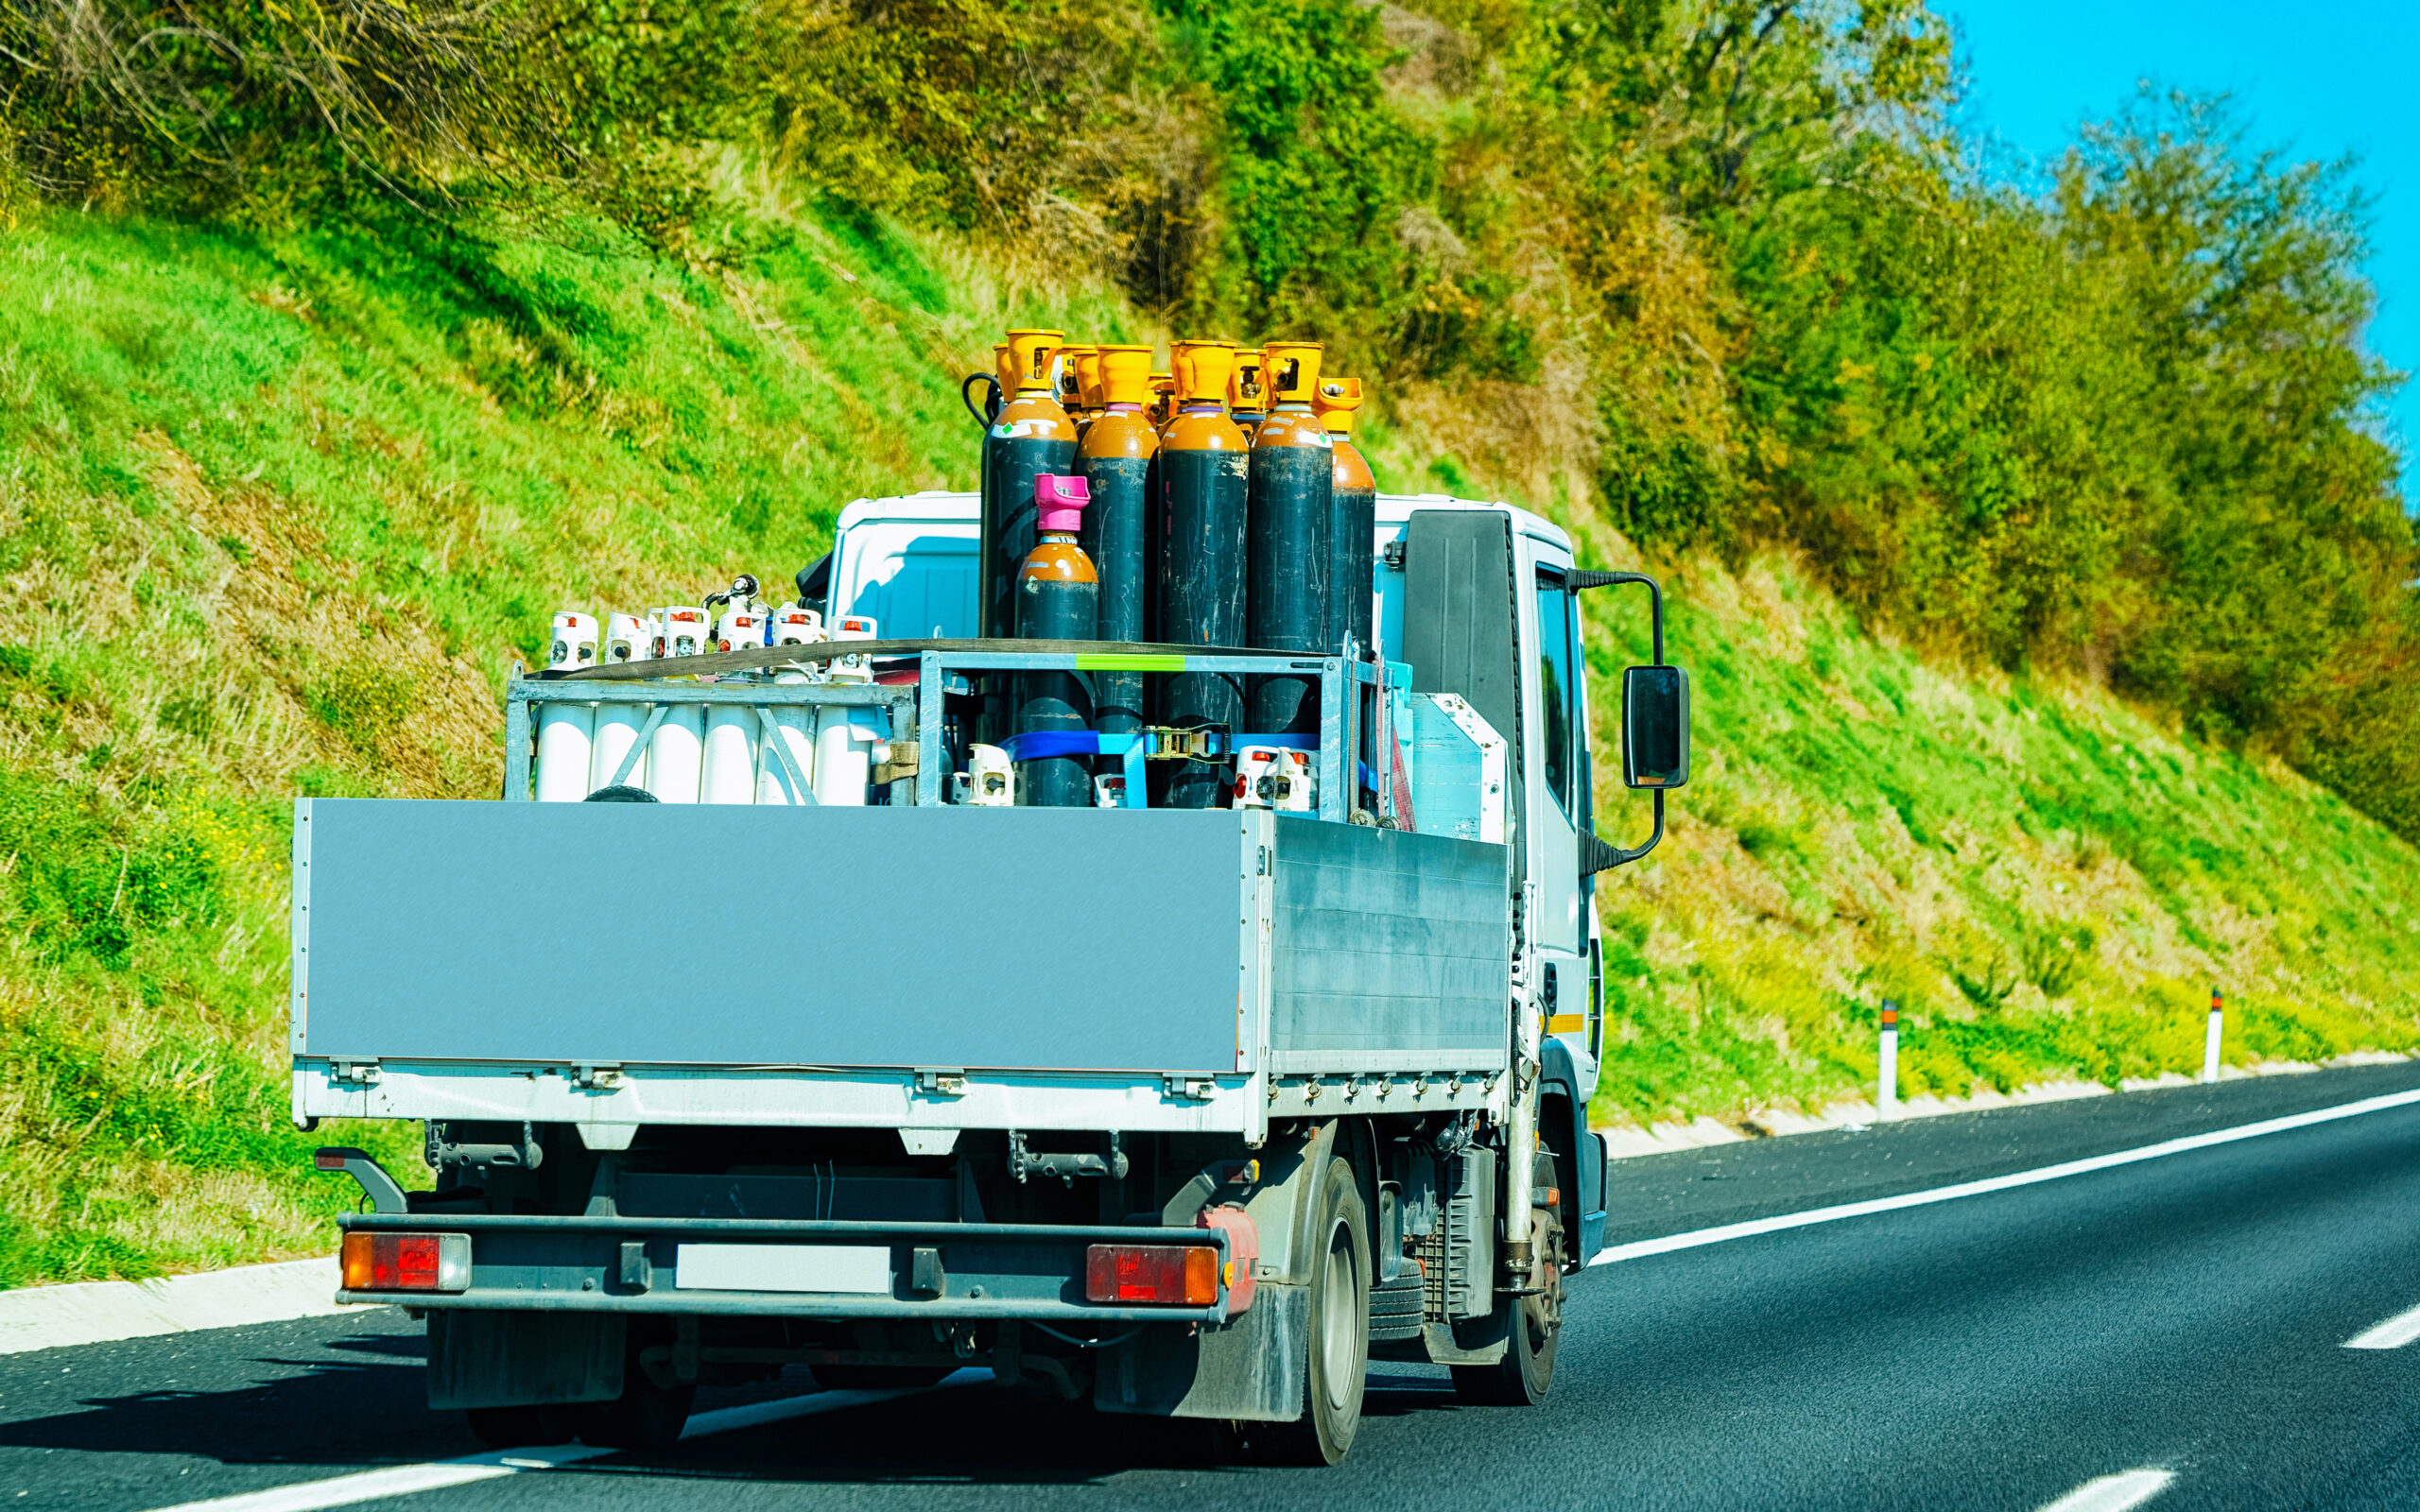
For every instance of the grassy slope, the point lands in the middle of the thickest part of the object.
(277, 516)
(2046, 881)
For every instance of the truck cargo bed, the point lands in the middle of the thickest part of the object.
(1220, 944)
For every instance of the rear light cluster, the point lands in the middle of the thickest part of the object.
(1153, 1275)
(406, 1263)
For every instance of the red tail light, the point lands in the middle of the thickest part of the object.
(1153, 1275)
(406, 1263)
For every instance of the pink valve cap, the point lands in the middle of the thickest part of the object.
(1059, 500)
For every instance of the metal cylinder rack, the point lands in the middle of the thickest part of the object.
(1351, 697)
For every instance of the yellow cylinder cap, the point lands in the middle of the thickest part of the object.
(1031, 357)
(1246, 390)
(1088, 375)
(1292, 371)
(1001, 369)
(1203, 369)
(1335, 402)
(1071, 376)
(1122, 375)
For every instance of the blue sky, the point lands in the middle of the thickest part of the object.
(2320, 78)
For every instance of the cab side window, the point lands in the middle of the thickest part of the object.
(1558, 688)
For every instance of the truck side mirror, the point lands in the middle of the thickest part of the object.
(1656, 727)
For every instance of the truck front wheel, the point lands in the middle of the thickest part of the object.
(1522, 1376)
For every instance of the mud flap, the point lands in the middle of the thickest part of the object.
(1251, 1370)
(1469, 1341)
(495, 1358)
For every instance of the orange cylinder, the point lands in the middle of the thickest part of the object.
(1354, 519)
(1290, 551)
(1120, 533)
(1202, 513)
(1031, 437)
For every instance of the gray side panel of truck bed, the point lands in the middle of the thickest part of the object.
(661, 934)
(1390, 950)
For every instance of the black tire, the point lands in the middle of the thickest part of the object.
(1534, 1322)
(622, 793)
(881, 1377)
(1339, 1346)
(645, 1419)
(521, 1427)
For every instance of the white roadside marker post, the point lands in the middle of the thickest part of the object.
(2211, 1045)
(1886, 1089)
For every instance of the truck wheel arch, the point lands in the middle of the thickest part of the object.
(1283, 1206)
(1562, 1127)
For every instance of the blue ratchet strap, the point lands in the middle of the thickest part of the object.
(1042, 744)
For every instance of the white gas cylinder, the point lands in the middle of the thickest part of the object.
(680, 631)
(728, 766)
(627, 638)
(729, 774)
(844, 742)
(739, 629)
(793, 624)
(852, 668)
(567, 730)
(991, 779)
(675, 755)
(574, 642)
(1298, 783)
(1272, 777)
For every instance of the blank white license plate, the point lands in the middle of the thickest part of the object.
(864, 1269)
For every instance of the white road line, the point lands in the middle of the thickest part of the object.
(1999, 1183)
(2110, 1493)
(2394, 1334)
(2114, 1493)
(404, 1480)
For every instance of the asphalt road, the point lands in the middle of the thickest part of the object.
(2185, 1317)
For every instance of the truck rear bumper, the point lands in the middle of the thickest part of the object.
(803, 1268)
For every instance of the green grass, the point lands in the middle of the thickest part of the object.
(2047, 882)
(277, 515)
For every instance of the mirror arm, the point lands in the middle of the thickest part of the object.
(1603, 856)
(1576, 580)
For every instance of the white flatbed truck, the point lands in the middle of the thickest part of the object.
(1183, 1113)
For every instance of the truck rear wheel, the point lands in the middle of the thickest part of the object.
(648, 1415)
(1522, 1376)
(1340, 1332)
(647, 1419)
